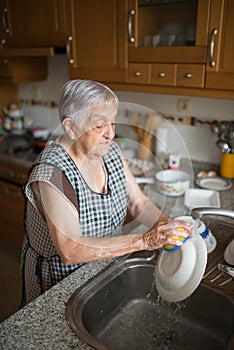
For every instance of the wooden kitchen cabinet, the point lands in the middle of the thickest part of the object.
(182, 68)
(29, 31)
(31, 23)
(99, 40)
(26, 29)
(167, 32)
(22, 69)
(220, 63)
(12, 177)
(170, 36)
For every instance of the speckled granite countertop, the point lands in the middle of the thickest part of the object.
(42, 324)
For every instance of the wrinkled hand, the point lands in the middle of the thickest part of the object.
(160, 234)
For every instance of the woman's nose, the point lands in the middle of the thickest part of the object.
(109, 130)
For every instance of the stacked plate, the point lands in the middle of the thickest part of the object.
(179, 272)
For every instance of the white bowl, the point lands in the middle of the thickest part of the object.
(229, 253)
(172, 182)
(204, 232)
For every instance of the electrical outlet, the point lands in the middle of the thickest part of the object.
(184, 105)
(36, 91)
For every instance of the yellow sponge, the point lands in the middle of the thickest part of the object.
(171, 247)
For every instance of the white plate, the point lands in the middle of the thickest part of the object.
(201, 198)
(179, 272)
(214, 183)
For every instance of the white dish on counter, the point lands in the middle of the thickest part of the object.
(214, 183)
(201, 198)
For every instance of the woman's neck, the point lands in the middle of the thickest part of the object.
(90, 166)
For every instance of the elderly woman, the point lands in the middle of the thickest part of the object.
(78, 192)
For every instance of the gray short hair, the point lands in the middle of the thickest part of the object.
(78, 98)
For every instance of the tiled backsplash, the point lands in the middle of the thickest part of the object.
(198, 138)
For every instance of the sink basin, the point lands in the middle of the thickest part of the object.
(121, 309)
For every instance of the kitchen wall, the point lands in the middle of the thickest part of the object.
(198, 141)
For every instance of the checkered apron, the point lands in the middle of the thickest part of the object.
(101, 215)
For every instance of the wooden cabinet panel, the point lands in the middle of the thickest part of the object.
(164, 74)
(34, 23)
(13, 173)
(5, 70)
(139, 73)
(190, 75)
(220, 65)
(99, 40)
(23, 69)
(8, 93)
(12, 214)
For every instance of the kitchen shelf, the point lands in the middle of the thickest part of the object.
(27, 52)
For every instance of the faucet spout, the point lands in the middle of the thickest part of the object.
(198, 213)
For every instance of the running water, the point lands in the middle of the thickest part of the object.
(153, 322)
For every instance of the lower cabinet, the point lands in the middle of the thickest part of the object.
(12, 214)
(12, 178)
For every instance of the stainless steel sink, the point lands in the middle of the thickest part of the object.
(120, 309)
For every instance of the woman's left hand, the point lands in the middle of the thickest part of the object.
(165, 232)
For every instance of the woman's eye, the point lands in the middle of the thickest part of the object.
(100, 126)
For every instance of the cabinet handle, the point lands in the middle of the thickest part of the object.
(3, 42)
(162, 75)
(130, 35)
(188, 75)
(5, 21)
(68, 50)
(137, 74)
(211, 48)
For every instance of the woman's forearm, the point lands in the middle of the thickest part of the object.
(95, 249)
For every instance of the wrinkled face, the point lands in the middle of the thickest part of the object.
(98, 132)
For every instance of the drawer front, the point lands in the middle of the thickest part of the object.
(190, 75)
(139, 73)
(164, 74)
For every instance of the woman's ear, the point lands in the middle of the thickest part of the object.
(69, 128)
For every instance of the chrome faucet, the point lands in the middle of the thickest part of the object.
(198, 213)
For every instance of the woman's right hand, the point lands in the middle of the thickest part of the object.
(161, 234)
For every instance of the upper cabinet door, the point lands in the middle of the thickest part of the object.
(168, 32)
(220, 65)
(32, 23)
(99, 39)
